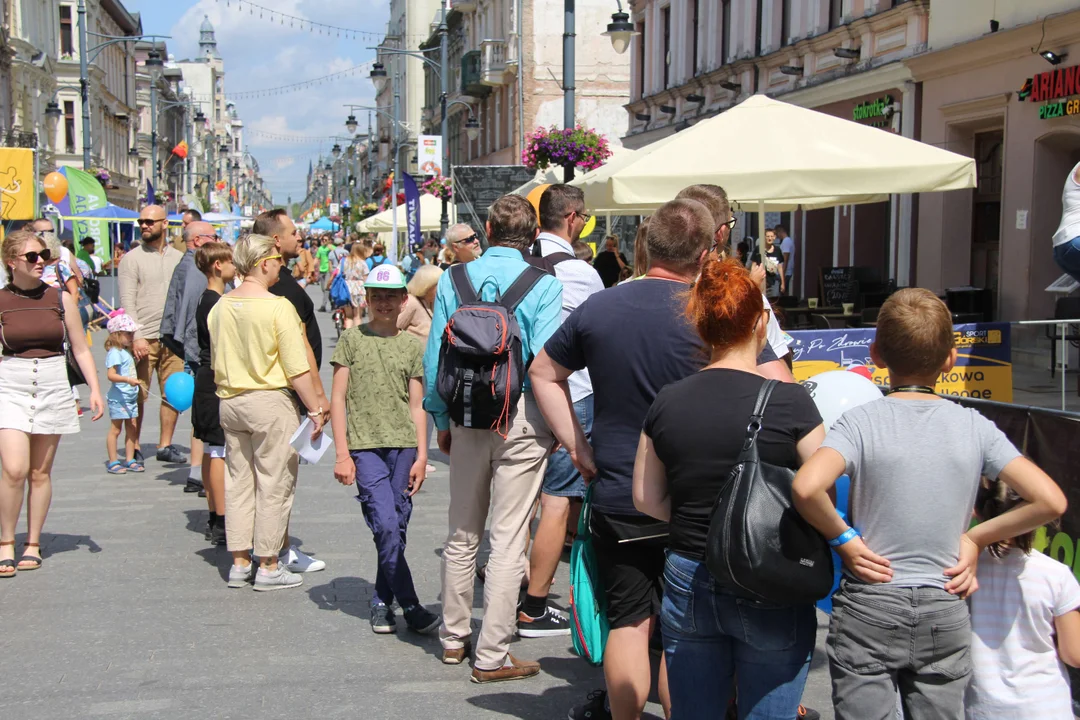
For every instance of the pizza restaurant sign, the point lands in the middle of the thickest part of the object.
(1058, 90)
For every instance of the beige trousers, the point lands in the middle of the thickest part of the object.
(503, 476)
(261, 481)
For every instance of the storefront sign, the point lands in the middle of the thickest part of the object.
(983, 368)
(1056, 90)
(874, 112)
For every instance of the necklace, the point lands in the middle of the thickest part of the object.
(921, 389)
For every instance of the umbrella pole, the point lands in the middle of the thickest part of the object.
(761, 230)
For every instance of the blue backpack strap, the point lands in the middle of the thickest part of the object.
(521, 287)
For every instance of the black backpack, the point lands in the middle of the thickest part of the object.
(481, 370)
(546, 263)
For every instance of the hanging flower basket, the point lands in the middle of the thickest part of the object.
(440, 186)
(582, 147)
(102, 176)
(367, 210)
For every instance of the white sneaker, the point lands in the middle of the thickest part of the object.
(239, 576)
(299, 562)
(279, 579)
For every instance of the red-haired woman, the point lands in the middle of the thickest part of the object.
(692, 438)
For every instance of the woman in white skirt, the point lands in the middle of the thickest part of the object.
(36, 406)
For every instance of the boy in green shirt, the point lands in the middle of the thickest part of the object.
(377, 396)
(322, 256)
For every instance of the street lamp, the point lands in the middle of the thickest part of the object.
(378, 76)
(351, 124)
(620, 30)
(336, 151)
(53, 113)
(472, 128)
(154, 66)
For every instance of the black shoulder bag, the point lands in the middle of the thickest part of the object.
(74, 372)
(758, 546)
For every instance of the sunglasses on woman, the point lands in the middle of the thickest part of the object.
(32, 256)
(270, 257)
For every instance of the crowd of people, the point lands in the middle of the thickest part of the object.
(629, 385)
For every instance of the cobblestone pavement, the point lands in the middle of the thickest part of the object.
(130, 616)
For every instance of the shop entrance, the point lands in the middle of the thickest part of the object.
(1055, 156)
(986, 214)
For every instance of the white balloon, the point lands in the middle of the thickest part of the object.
(837, 391)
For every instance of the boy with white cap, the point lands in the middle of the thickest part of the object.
(377, 396)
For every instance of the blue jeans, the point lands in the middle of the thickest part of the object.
(714, 641)
(382, 485)
(561, 478)
(1067, 256)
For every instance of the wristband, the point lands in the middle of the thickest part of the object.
(315, 413)
(849, 534)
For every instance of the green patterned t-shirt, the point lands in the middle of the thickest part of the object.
(377, 401)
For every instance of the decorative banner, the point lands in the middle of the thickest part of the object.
(983, 368)
(151, 198)
(412, 211)
(85, 193)
(181, 150)
(18, 187)
(429, 154)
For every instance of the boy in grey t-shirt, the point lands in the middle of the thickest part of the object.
(899, 621)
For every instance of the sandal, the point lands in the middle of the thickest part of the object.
(134, 466)
(7, 567)
(115, 467)
(34, 560)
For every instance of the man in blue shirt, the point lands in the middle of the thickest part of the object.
(491, 474)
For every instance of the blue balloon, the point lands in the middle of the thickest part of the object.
(843, 490)
(180, 391)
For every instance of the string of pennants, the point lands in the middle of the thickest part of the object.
(297, 86)
(265, 13)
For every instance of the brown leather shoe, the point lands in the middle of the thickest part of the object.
(456, 656)
(516, 670)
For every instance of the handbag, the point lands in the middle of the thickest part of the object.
(588, 608)
(74, 372)
(758, 546)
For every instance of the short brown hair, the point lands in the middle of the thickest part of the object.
(557, 202)
(513, 222)
(713, 197)
(269, 223)
(13, 247)
(914, 333)
(210, 253)
(679, 231)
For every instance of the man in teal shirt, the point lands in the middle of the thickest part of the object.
(322, 255)
(491, 474)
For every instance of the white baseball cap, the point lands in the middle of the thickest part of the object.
(385, 276)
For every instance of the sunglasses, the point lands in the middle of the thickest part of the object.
(32, 256)
(149, 221)
(270, 257)
(212, 237)
(466, 241)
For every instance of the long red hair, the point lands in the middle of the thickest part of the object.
(725, 304)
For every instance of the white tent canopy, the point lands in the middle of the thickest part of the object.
(772, 155)
(430, 211)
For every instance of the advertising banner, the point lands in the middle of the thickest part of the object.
(983, 369)
(85, 193)
(17, 186)
(412, 212)
(429, 157)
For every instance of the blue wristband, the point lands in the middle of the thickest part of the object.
(843, 537)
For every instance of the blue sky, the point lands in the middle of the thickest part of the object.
(262, 54)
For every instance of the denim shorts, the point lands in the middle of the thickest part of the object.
(715, 641)
(561, 478)
(119, 410)
(1067, 256)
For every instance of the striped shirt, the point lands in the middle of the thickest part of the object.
(1017, 674)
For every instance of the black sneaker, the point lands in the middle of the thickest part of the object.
(202, 492)
(550, 624)
(595, 708)
(193, 486)
(806, 713)
(382, 620)
(420, 619)
(209, 532)
(169, 454)
(217, 532)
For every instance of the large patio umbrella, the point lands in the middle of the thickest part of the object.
(772, 155)
(430, 210)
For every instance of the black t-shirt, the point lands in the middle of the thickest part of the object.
(776, 254)
(698, 425)
(288, 288)
(202, 329)
(635, 339)
(607, 266)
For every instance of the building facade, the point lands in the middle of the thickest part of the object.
(989, 93)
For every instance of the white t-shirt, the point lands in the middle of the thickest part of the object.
(787, 246)
(1017, 674)
(778, 340)
(1070, 210)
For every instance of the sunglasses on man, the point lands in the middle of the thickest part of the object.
(465, 241)
(149, 221)
(33, 255)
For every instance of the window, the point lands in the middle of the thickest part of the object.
(69, 127)
(67, 34)
(725, 32)
(758, 29)
(836, 13)
(665, 19)
(696, 10)
(785, 22)
(641, 58)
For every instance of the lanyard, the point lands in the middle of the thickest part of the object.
(921, 389)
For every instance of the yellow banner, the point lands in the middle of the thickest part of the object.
(17, 186)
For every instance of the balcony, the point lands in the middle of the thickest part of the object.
(493, 62)
(471, 79)
(465, 5)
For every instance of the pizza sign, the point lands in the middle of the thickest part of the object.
(1056, 89)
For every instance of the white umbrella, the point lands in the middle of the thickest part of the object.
(430, 211)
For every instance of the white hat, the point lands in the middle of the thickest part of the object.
(385, 276)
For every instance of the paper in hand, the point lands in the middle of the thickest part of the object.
(310, 451)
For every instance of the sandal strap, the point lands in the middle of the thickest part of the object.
(5, 543)
(30, 544)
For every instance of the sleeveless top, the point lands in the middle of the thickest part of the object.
(30, 322)
(1070, 210)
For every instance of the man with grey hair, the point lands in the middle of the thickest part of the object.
(464, 241)
(178, 332)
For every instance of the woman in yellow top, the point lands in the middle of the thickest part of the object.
(258, 353)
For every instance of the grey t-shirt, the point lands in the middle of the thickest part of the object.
(915, 468)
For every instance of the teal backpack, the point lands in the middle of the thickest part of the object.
(588, 609)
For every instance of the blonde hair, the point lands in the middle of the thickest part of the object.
(114, 340)
(52, 244)
(249, 250)
(426, 277)
(15, 246)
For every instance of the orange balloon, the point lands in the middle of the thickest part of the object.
(56, 186)
(534, 197)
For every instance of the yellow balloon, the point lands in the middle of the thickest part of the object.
(590, 225)
(534, 197)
